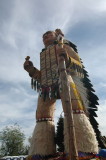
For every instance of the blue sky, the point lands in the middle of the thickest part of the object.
(22, 23)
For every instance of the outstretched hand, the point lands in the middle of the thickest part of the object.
(27, 64)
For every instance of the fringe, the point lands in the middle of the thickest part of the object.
(85, 135)
(42, 141)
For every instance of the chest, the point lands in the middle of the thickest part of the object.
(49, 66)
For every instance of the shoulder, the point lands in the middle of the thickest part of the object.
(72, 45)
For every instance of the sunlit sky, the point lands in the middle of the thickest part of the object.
(22, 23)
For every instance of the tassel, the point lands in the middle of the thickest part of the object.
(60, 88)
(82, 73)
(40, 92)
(55, 94)
(45, 94)
(38, 86)
(50, 92)
(78, 69)
(32, 83)
(74, 66)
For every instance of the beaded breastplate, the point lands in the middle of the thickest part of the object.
(49, 66)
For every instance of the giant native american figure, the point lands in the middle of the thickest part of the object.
(83, 100)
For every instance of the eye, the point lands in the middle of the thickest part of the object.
(51, 35)
(45, 37)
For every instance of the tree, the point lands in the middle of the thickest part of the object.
(103, 139)
(26, 150)
(60, 134)
(12, 141)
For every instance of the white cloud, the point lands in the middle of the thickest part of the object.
(101, 117)
(27, 23)
(15, 103)
(102, 84)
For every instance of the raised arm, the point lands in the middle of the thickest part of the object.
(33, 72)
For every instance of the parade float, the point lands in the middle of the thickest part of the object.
(63, 76)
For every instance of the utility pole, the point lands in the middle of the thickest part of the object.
(66, 103)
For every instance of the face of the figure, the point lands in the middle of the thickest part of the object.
(49, 38)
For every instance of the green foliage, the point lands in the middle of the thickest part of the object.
(60, 135)
(12, 141)
(26, 150)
